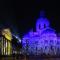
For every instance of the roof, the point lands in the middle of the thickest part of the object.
(48, 30)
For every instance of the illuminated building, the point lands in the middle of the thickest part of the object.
(43, 40)
(6, 42)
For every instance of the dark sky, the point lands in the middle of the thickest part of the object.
(22, 15)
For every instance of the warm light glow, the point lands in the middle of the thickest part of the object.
(7, 34)
(7, 44)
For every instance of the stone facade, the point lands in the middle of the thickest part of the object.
(43, 40)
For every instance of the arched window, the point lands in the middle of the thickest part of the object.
(45, 41)
(44, 25)
(51, 42)
(58, 43)
(39, 26)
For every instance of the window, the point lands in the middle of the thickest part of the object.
(39, 26)
(45, 41)
(44, 26)
(58, 43)
(51, 41)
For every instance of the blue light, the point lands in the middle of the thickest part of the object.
(17, 37)
(42, 39)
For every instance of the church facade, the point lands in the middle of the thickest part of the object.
(43, 40)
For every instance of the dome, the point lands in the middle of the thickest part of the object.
(49, 30)
(42, 23)
(49, 34)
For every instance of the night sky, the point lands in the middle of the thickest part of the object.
(21, 16)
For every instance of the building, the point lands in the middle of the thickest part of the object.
(6, 48)
(43, 40)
